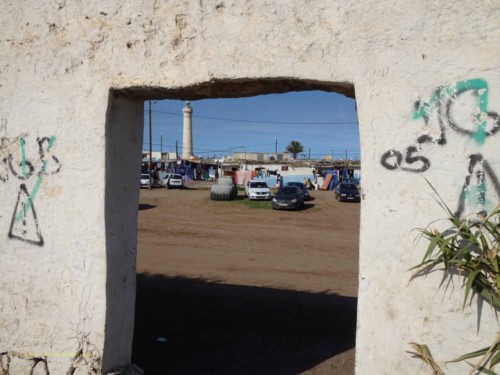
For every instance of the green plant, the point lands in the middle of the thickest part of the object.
(490, 356)
(468, 248)
(423, 353)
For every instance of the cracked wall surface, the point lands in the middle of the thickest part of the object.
(73, 77)
(85, 360)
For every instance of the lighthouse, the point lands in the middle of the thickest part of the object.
(187, 132)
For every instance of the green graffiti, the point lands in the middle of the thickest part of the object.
(23, 156)
(22, 213)
(476, 194)
(481, 194)
(444, 94)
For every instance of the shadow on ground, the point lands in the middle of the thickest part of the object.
(145, 206)
(213, 328)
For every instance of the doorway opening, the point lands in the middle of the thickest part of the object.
(224, 287)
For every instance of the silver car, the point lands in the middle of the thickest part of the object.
(175, 181)
(144, 180)
(257, 190)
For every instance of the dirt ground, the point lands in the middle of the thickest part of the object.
(223, 288)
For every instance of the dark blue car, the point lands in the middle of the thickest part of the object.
(288, 198)
(302, 187)
(347, 192)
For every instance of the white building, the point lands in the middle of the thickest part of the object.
(261, 156)
(157, 155)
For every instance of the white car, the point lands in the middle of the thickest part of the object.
(175, 181)
(257, 190)
(144, 180)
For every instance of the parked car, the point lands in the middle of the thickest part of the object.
(257, 190)
(224, 189)
(144, 180)
(302, 187)
(347, 192)
(163, 180)
(288, 198)
(175, 181)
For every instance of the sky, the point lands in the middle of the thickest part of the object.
(324, 123)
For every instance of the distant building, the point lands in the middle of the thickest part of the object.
(157, 155)
(262, 156)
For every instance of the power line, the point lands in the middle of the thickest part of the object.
(344, 153)
(262, 122)
(224, 148)
(262, 144)
(205, 150)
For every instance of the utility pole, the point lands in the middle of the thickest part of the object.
(346, 155)
(150, 149)
(161, 146)
(309, 157)
(176, 150)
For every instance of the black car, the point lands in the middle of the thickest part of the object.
(347, 192)
(302, 187)
(288, 198)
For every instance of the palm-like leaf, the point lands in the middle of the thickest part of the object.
(471, 250)
(295, 148)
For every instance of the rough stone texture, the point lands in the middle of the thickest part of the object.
(73, 76)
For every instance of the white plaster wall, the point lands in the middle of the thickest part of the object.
(58, 62)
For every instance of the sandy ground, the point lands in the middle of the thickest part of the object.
(240, 290)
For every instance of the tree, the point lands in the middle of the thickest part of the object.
(295, 147)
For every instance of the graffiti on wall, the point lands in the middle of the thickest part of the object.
(462, 108)
(30, 172)
(85, 360)
(474, 188)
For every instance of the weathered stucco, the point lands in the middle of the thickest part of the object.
(73, 76)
